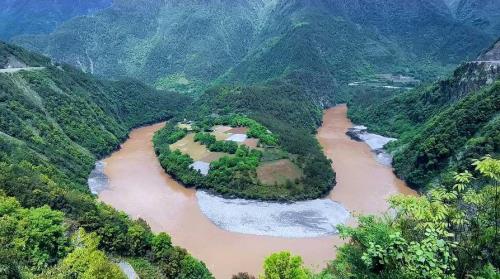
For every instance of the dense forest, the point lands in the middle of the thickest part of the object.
(271, 66)
(55, 122)
(442, 126)
(319, 46)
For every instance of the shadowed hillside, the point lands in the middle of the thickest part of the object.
(318, 45)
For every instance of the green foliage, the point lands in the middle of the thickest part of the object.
(442, 127)
(54, 123)
(255, 129)
(229, 147)
(166, 136)
(215, 145)
(37, 234)
(283, 265)
(161, 245)
(9, 264)
(236, 176)
(8, 52)
(291, 119)
(317, 46)
(86, 261)
(445, 135)
(178, 166)
(205, 138)
(449, 233)
(191, 268)
(180, 57)
(179, 264)
(145, 269)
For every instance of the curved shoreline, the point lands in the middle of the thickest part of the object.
(139, 186)
(302, 219)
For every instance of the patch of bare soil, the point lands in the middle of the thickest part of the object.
(188, 146)
(251, 142)
(238, 130)
(278, 172)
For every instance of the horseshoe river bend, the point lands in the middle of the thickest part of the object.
(232, 236)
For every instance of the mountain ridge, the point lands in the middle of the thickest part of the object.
(19, 17)
(443, 126)
(330, 42)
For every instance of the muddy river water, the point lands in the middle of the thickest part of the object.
(137, 185)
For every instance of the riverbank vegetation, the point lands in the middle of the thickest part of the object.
(282, 119)
(215, 145)
(54, 124)
(451, 232)
(442, 127)
(230, 176)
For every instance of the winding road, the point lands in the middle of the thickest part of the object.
(15, 70)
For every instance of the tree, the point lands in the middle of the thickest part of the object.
(87, 262)
(193, 269)
(42, 236)
(161, 246)
(38, 235)
(451, 232)
(283, 265)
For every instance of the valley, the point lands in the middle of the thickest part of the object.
(244, 139)
(138, 185)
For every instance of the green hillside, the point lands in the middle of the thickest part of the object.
(31, 17)
(323, 45)
(169, 45)
(265, 69)
(484, 14)
(54, 123)
(319, 46)
(442, 126)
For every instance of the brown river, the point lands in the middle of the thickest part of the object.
(139, 186)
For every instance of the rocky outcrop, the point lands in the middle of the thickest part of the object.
(492, 54)
(473, 75)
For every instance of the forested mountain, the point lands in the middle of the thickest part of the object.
(18, 17)
(442, 126)
(170, 44)
(320, 45)
(484, 14)
(55, 121)
(274, 65)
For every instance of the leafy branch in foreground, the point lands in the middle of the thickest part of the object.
(450, 232)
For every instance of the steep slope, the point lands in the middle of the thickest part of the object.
(483, 14)
(453, 138)
(442, 126)
(18, 17)
(320, 45)
(54, 122)
(492, 54)
(170, 44)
